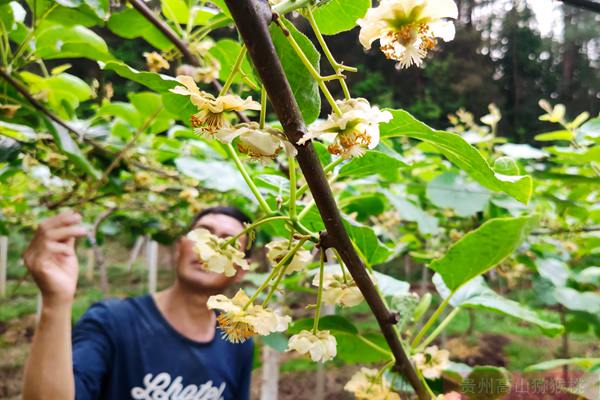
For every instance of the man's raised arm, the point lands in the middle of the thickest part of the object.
(52, 262)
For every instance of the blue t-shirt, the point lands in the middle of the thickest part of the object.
(125, 349)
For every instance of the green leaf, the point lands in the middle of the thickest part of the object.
(459, 152)
(333, 323)
(276, 340)
(226, 52)
(304, 87)
(578, 301)
(131, 24)
(152, 80)
(426, 223)
(553, 270)
(21, 133)
(336, 16)
(476, 294)
(554, 135)
(9, 148)
(373, 162)
(373, 251)
(227, 178)
(480, 250)
(69, 147)
(176, 10)
(486, 383)
(390, 286)
(57, 41)
(585, 363)
(450, 190)
(591, 129)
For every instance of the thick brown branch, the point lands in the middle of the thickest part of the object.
(252, 18)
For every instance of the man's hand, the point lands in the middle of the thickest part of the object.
(51, 257)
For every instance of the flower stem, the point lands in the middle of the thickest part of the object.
(374, 346)
(431, 321)
(334, 64)
(263, 107)
(292, 201)
(248, 228)
(437, 330)
(238, 163)
(319, 294)
(311, 69)
(287, 6)
(234, 70)
(292, 252)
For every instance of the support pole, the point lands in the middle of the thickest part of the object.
(152, 260)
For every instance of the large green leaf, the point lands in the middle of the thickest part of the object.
(218, 175)
(334, 323)
(585, 363)
(336, 16)
(450, 190)
(367, 242)
(480, 250)
(131, 24)
(459, 152)
(578, 301)
(373, 162)
(304, 87)
(152, 80)
(70, 148)
(476, 294)
(426, 223)
(226, 52)
(57, 41)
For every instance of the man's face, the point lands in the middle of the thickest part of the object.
(190, 268)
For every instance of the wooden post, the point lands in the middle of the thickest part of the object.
(135, 252)
(152, 260)
(269, 387)
(3, 264)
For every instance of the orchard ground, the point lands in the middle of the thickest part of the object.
(486, 339)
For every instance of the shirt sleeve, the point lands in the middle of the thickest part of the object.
(93, 351)
(247, 361)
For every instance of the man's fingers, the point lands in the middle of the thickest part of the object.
(60, 248)
(62, 219)
(67, 232)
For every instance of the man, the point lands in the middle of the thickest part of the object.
(162, 346)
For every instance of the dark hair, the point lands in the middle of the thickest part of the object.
(230, 211)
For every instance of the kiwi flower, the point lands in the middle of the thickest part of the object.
(211, 115)
(216, 255)
(321, 345)
(366, 385)
(155, 61)
(355, 129)
(239, 320)
(277, 249)
(432, 361)
(408, 29)
(262, 144)
(340, 291)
